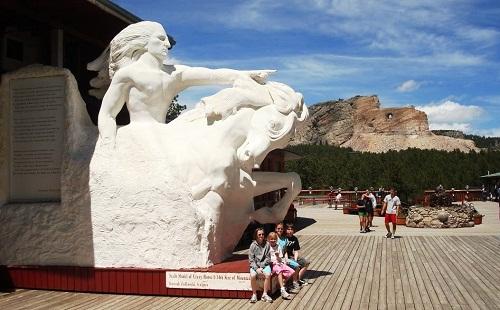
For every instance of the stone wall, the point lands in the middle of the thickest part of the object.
(446, 217)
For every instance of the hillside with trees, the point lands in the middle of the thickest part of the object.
(411, 171)
(490, 143)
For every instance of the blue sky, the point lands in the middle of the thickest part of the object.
(441, 56)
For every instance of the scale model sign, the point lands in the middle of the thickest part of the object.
(208, 280)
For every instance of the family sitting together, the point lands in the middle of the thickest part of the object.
(279, 255)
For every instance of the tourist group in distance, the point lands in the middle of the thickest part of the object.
(366, 205)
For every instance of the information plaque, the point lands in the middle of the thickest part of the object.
(36, 136)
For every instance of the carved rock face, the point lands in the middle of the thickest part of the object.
(361, 124)
(369, 117)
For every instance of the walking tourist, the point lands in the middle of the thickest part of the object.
(297, 262)
(390, 208)
(338, 198)
(278, 262)
(362, 215)
(370, 204)
(259, 256)
(331, 197)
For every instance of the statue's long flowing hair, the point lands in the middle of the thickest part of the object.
(130, 43)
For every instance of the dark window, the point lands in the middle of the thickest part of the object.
(14, 49)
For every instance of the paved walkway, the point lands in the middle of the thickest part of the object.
(328, 221)
(422, 269)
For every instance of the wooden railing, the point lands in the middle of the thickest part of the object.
(458, 195)
(318, 196)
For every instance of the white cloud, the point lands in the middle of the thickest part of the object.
(450, 112)
(452, 115)
(408, 86)
(463, 127)
(493, 100)
(482, 36)
(453, 59)
(490, 132)
(425, 27)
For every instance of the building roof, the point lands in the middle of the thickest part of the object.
(492, 176)
(96, 21)
(116, 11)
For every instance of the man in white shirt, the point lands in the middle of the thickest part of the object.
(390, 208)
(338, 198)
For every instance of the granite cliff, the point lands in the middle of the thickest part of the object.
(360, 123)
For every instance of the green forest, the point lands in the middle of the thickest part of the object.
(491, 143)
(411, 171)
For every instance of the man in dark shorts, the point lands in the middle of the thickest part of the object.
(370, 204)
(298, 263)
(362, 215)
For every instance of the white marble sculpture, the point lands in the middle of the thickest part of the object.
(181, 194)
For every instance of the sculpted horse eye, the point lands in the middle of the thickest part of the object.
(275, 125)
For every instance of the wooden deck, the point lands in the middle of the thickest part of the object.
(347, 272)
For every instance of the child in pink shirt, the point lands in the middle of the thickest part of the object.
(278, 261)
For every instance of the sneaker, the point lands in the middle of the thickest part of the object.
(361, 231)
(284, 294)
(253, 299)
(393, 236)
(303, 283)
(368, 229)
(266, 298)
(388, 235)
(295, 288)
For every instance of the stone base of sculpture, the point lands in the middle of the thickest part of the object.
(50, 233)
(143, 214)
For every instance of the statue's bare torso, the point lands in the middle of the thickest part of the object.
(150, 93)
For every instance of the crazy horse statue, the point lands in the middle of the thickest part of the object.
(180, 195)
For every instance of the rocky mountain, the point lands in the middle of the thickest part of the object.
(486, 143)
(450, 133)
(360, 123)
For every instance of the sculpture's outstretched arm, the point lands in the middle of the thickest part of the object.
(197, 76)
(271, 181)
(113, 101)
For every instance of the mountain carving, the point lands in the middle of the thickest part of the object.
(360, 123)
